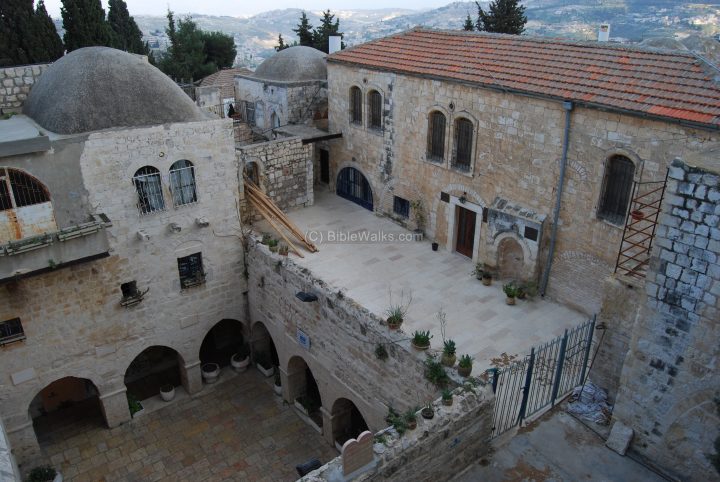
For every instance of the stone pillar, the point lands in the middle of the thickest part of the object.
(115, 408)
(327, 426)
(191, 377)
(285, 387)
(24, 443)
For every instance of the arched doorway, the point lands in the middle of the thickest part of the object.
(352, 185)
(511, 260)
(262, 347)
(222, 342)
(303, 390)
(347, 421)
(151, 369)
(64, 408)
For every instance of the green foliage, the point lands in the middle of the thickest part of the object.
(446, 394)
(304, 31)
(421, 338)
(272, 243)
(219, 49)
(465, 361)
(410, 416)
(435, 373)
(266, 238)
(503, 16)
(527, 290)
(85, 25)
(397, 420)
(27, 36)
(326, 29)
(43, 473)
(133, 404)
(449, 347)
(126, 34)
(381, 352)
(469, 25)
(281, 44)
(510, 289)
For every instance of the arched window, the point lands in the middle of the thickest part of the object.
(463, 145)
(617, 188)
(436, 137)
(375, 108)
(355, 105)
(18, 189)
(251, 172)
(182, 183)
(149, 189)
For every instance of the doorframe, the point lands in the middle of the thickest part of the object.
(452, 215)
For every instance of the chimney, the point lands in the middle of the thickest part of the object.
(334, 43)
(604, 32)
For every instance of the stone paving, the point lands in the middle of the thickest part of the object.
(234, 430)
(478, 319)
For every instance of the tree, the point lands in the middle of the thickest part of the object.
(50, 47)
(219, 49)
(504, 16)
(281, 44)
(327, 28)
(26, 35)
(304, 31)
(469, 25)
(84, 24)
(127, 35)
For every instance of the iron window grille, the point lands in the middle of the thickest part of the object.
(436, 137)
(149, 189)
(191, 270)
(10, 331)
(182, 183)
(18, 189)
(375, 106)
(131, 295)
(617, 187)
(355, 105)
(401, 207)
(463, 145)
(250, 113)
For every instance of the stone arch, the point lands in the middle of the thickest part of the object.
(457, 117)
(347, 421)
(262, 346)
(356, 193)
(66, 405)
(303, 388)
(446, 132)
(512, 257)
(25, 205)
(151, 368)
(222, 341)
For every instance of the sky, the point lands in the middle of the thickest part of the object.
(244, 8)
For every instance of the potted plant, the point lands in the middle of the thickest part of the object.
(448, 355)
(273, 245)
(434, 372)
(167, 392)
(44, 473)
(465, 365)
(428, 412)
(134, 405)
(277, 386)
(510, 290)
(434, 246)
(396, 420)
(240, 360)
(419, 211)
(397, 311)
(266, 238)
(283, 249)
(478, 271)
(411, 419)
(527, 290)
(447, 397)
(421, 340)
(210, 372)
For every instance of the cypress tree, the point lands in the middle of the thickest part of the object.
(503, 16)
(127, 35)
(84, 24)
(50, 46)
(17, 36)
(281, 44)
(469, 25)
(326, 29)
(304, 31)
(219, 49)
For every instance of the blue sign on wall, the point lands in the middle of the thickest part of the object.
(303, 339)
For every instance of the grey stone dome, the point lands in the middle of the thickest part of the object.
(295, 64)
(97, 88)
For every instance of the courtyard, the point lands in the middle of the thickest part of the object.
(478, 319)
(236, 429)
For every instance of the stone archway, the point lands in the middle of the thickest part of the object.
(66, 407)
(354, 186)
(511, 260)
(347, 421)
(222, 341)
(152, 368)
(302, 389)
(262, 346)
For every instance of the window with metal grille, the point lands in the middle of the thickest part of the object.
(191, 270)
(375, 106)
(18, 189)
(149, 189)
(436, 137)
(11, 330)
(355, 105)
(250, 113)
(617, 187)
(401, 207)
(463, 144)
(182, 183)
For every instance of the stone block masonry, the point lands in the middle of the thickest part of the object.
(15, 84)
(670, 380)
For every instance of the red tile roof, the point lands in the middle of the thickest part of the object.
(225, 79)
(666, 84)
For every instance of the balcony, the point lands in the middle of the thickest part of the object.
(35, 255)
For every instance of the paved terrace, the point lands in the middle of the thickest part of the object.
(477, 317)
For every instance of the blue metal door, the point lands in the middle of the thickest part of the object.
(353, 186)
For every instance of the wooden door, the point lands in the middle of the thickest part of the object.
(465, 231)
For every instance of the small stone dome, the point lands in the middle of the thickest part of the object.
(294, 64)
(97, 88)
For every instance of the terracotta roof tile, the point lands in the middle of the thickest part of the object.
(225, 79)
(668, 84)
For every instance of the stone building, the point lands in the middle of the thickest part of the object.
(478, 149)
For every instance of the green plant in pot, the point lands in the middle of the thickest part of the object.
(266, 238)
(511, 290)
(428, 412)
(465, 365)
(273, 245)
(397, 311)
(421, 339)
(478, 271)
(448, 354)
(43, 473)
(434, 372)
(411, 419)
(283, 249)
(447, 397)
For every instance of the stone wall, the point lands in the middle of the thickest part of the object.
(516, 156)
(343, 337)
(285, 167)
(8, 468)
(671, 377)
(437, 450)
(15, 84)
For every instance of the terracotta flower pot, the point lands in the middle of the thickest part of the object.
(464, 371)
(510, 300)
(447, 401)
(420, 347)
(448, 360)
